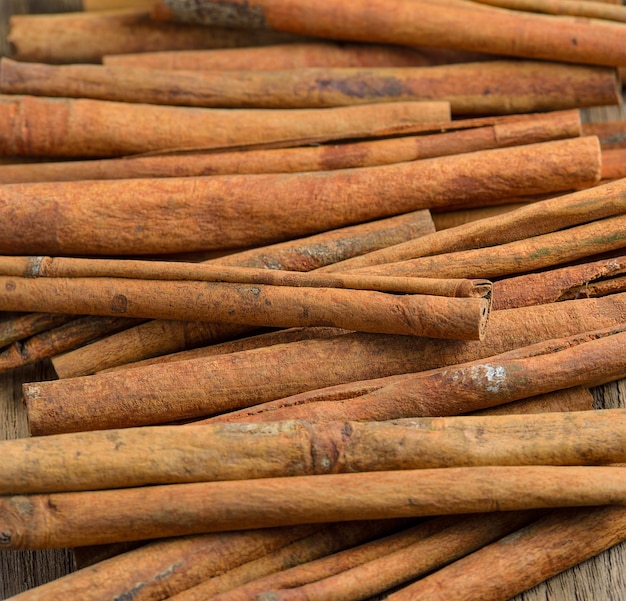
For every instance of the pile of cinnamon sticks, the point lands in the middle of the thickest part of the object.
(326, 286)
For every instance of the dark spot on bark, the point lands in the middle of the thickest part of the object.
(574, 42)
(5, 538)
(10, 286)
(119, 304)
(357, 87)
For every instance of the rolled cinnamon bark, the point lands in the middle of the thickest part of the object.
(87, 37)
(505, 131)
(538, 252)
(60, 339)
(612, 134)
(100, 517)
(221, 212)
(411, 23)
(524, 558)
(23, 326)
(161, 337)
(259, 305)
(614, 163)
(575, 8)
(530, 220)
(574, 281)
(171, 271)
(178, 454)
(524, 372)
(57, 127)
(397, 567)
(162, 393)
(484, 88)
(372, 564)
(294, 56)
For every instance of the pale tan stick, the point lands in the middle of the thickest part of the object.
(252, 304)
(69, 335)
(530, 254)
(515, 86)
(524, 558)
(503, 132)
(60, 267)
(176, 509)
(87, 37)
(161, 337)
(407, 22)
(162, 393)
(23, 326)
(397, 567)
(57, 127)
(517, 374)
(531, 220)
(222, 212)
(177, 454)
(575, 8)
(565, 283)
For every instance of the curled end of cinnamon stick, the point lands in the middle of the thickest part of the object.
(484, 316)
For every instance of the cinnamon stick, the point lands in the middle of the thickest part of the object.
(573, 281)
(168, 566)
(69, 335)
(612, 134)
(88, 36)
(538, 252)
(57, 127)
(160, 337)
(613, 161)
(178, 454)
(409, 23)
(221, 212)
(530, 220)
(25, 325)
(592, 10)
(397, 567)
(501, 133)
(238, 584)
(514, 86)
(524, 558)
(293, 56)
(448, 219)
(171, 271)
(260, 305)
(154, 394)
(524, 372)
(172, 510)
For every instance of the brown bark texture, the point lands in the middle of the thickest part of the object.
(574, 281)
(523, 372)
(484, 88)
(278, 57)
(156, 216)
(23, 326)
(177, 454)
(575, 8)
(87, 37)
(410, 23)
(67, 127)
(527, 130)
(534, 219)
(612, 134)
(252, 304)
(98, 517)
(530, 254)
(161, 337)
(162, 393)
(524, 558)
(48, 343)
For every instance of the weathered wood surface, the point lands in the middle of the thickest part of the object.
(602, 578)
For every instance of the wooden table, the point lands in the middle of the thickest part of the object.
(602, 578)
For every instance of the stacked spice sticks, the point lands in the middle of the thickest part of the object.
(325, 285)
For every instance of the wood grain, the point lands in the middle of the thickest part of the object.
(602, 578)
